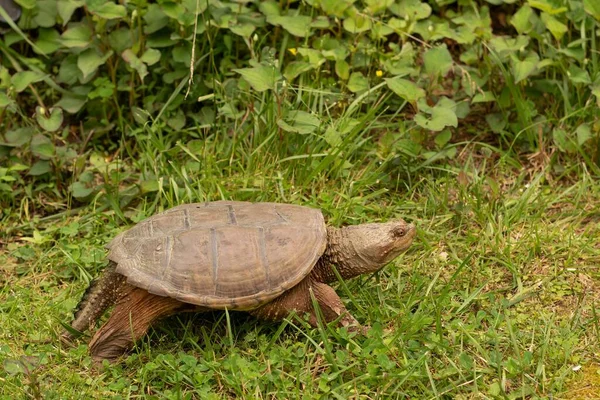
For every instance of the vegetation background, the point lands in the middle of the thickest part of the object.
(478, 120)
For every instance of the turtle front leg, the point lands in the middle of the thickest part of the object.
(99, 296)
(133, 314)
(298, 299)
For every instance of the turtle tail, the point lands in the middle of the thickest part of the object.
(102, 293)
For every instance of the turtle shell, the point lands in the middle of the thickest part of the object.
(223, 254)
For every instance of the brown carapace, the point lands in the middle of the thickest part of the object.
(264, 258)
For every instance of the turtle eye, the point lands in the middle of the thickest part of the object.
(398, 232)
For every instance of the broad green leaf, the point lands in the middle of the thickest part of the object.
(375, 7)
(405, 89)
(103, 88)
(80, 191)
(298, 25)
(66, 8)
(411, 9)
(177, 120)
(315, 57)
(462, 109)
(89, 60)
(183, 54)
(27, 4)
(134, 62)
(120, 39)
(269, 8)
(547, 6)
(155, 19)
(39, 168)
(49, 123)
(13, 366)
(47, 12)
(151, 56)
(521, 20)
(578, 75)
(332, 136)
(22, 79)
(437, 61)
(442, 138)
(497, 122)
(321, 22)
(176, 75)
(432, 30)
(592, 7)
(149, 186)
(71, 104)
(18, 137)
(358, 82)
(380, 30)
(69, 73)
(335, 8)
(48, 41)
(140, 116)
(299, 122)
(557, 28)
(109, 10)
(338, 53)
(295, 68)
(5, 101)
(596, 92)
(78, 36)
(172, 9)
(357, 24)
(42, 147)
(575, 49)
(441, 116)
(261, 78)
(584, 133)
(483, 97)
(243, 30)
(562, 141)
(335, 133)
(342, 69)
(230, 111)
(505, 46)
(522, 69)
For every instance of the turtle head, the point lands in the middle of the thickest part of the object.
(379, 243)
(365, 248)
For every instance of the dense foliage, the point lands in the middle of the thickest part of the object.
(524, 74)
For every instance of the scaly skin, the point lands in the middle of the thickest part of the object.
(355, 250)
(99, 296)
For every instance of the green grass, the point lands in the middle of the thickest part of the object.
(495, 299)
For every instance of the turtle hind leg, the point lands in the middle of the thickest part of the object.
(133, 314)
(102, 293)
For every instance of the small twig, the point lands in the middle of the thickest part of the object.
(191, 79)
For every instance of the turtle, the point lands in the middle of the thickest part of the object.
(269, 259)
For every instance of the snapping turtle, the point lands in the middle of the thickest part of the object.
(264, 258)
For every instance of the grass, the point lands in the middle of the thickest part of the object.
(495, 299)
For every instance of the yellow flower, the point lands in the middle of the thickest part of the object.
(293, 51)
(379, 73)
